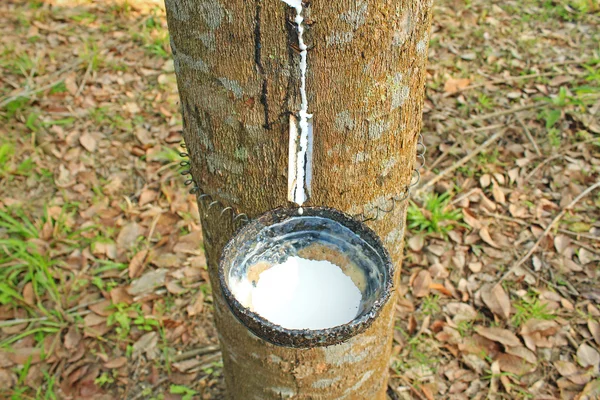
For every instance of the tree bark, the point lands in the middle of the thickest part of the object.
(238, 78)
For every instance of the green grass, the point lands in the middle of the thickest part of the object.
(430, 305)
(436, 216)
(22, 262)
(185, 392)
(529, 307)
(485, 103)
(417, 353)
(152, 36)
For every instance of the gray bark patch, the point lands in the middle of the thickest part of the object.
(178, 9)
(193, 63)
(217, 162)
(232, 86)
(339, 38)
(212, 11)
(344, 122)
(357, 16)
(377, 128)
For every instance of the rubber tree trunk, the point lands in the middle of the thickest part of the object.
(238, 77)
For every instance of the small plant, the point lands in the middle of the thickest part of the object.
(431, 305)
(104, 379)
(530, 307)
(214, 368)
(435, 216)
(21, 261)
(485, 102)
(185, 392)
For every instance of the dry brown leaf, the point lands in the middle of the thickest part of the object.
(88, 142)
(514, 365)
(412, 324)
(585, 256)
(461, 312)
(71, 84)
(119, 295)
(128, 235)
(499, 335)
(148, 282)
(475, 267)
(561, 242)
(22, 356)
(422, 283)
(523, 352)
(453, 85)
(587, 356)
(591, 391)
(594, 327)
(485, 180)
(517, 211)
(427, 392)
(116, 363)
(174, 287)
(165, 260)
(484, 234)
(440, 288)
(566, 368)
(104, 308)
(147, 196)
(416, 242)
(544, 327)
(496, 299)
(498, 193)
(438, 271)
(72, 338)
(470, 219)
(146, 344)
(136, 265)
(104, 248)
(5, 361)
(93, 319)
(28, 294)
(198, 305)
(8, 378)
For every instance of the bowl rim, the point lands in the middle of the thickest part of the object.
(305, 338)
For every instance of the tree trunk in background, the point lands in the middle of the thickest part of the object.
(238, 78)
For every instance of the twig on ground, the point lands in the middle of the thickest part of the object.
(503, 80)
(540, 165)
(554, 157)
(485, 128)
(412, 388)
(465, 195)
(28, 92)
(505, 112)
(579, 234)
(196, 352)
(84, 80)
(529, 136)
(462, 161)
(442, 157)
(568, 62)
(507, 218)
(528, 254)
(585, 246)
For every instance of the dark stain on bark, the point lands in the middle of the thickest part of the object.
(259, 65)
(292, 35)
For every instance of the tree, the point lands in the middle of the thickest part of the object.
(238, 72)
